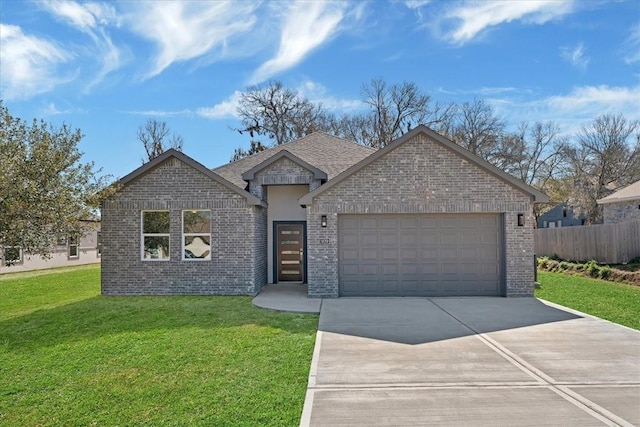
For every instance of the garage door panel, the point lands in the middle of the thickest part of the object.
(430, 255)
(448, 252)
(429, 269)
(369, 270)
(410, 223)
(347, 224)
(428, 237)
(429, 222)
(409, 240)
(389, 269)
(390, 286)
(449, 237)
(370, 223)
(409, 255)
(369, 254)
(368, 240)
(388, 223)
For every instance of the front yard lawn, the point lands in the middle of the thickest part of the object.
(69, 356)
(617, 302)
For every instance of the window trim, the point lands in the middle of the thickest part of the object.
(185, 235)
(98, 244)
(70, 245)
(143, 235)
(18, 261)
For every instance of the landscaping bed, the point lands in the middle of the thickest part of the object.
(69, 356)
(626, 273)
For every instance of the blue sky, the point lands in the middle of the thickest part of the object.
(105, 67)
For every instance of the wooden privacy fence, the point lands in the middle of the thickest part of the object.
(605, 243)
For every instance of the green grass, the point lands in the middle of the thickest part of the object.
(617, 302)
(69, 356)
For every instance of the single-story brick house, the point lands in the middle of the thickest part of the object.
(68, 251)
(420, 217)
(623, 205)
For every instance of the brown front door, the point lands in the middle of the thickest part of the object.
(290, 252)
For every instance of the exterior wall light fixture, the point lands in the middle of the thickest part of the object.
(323, 221)
(520, 220)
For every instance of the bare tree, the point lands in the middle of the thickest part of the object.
(155, 138)
(478, 129)
(279, 113)
(604, 159)
(254, 147)
(537, 156)
(393, 110)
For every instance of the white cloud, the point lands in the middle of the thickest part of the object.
(474, 17)
(573, 110)
(633, 46)
(91, 19)
(188, 30)
(306, 25)
(596, 100)
(28, 63)
(416, 4)
(160, 113)
(51, 109)
(226, 109)
(317, 93)
(575, 56)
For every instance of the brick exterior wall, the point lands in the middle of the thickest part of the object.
(238, 237)
(420, 176)
(281, 172)
(621, 212)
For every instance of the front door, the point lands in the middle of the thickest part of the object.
(290, 252)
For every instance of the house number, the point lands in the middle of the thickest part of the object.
(324, 241)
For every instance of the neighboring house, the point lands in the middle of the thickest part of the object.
(68, 251)
(420, 217)
(561, 215)
(623, 205)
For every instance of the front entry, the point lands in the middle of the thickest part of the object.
(290, 251)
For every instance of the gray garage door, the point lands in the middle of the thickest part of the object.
(420, 255)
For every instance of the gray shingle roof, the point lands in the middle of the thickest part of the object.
(328, 153)
(628, 193)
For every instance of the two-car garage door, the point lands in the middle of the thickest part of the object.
(420, 255)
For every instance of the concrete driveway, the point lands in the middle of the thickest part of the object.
(470, 361)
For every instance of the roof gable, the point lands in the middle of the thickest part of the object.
(172, 153)
(317, 173)
(535, 194)
(628, 193)
(327, 153)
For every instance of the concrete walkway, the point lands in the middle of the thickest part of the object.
(470, 361)
(287, 297)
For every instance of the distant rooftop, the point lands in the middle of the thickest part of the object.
(628, 193)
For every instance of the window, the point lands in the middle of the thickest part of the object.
(73, 246)
(544, 224)
(12, 255)
(99, 243)
(155, 235)
(196, 235)
(564, 212)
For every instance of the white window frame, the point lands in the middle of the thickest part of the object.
(143, 235)
(18, 261)
(99, 244)
(76, 245)
(185, 235)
